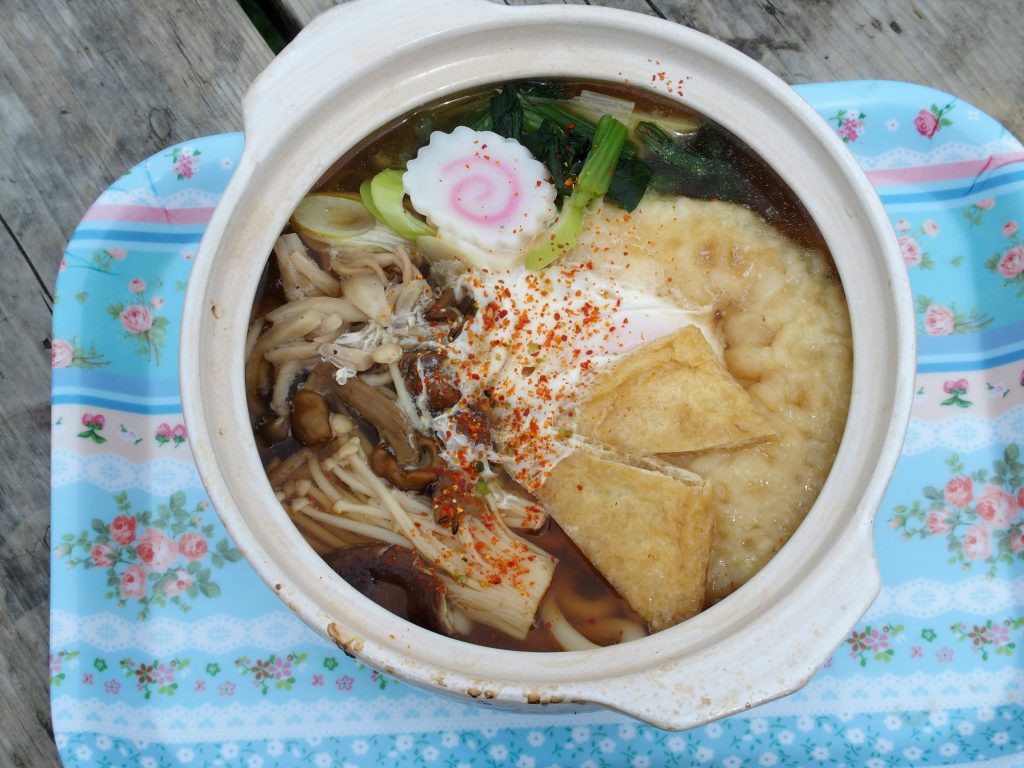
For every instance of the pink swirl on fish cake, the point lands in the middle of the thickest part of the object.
(477, 183)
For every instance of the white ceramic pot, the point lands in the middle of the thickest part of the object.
(367, 62)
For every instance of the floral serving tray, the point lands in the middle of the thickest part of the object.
(167, 650)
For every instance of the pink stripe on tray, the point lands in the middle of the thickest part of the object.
(966, 169)
(145, 215)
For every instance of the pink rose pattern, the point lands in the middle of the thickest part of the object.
(152, 558)
(939, 320)
(192, 547)
(140, 320)
(910, 240)
(156, 550)
(62, 354)
(930, 121)
(1011, 263)
(103, 260)
(1008, 261)
(946, 319)
(67, 353)
(911, 251)
(975, 212)
(977, 542)
(959, 492)
(997, 508)
(979, 514)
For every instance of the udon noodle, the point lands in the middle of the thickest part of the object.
(550, 366)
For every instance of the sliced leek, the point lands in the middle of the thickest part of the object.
(387, 195)
(330, 218)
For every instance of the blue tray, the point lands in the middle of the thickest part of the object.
(174, 653)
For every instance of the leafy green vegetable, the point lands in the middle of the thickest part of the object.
(593, 182)
(387, 204)
(661, 143)
(507, 113)
(629, 183)
(561, 151)
(544, 89)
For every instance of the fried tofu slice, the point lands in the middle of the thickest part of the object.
(671, 396)
(647, 531)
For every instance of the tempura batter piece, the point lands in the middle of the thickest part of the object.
(671, 396)
(647, 532)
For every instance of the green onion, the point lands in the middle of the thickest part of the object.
(387, 204)
(592, 183)
(367, 198)
(596, 175)
(661, 143)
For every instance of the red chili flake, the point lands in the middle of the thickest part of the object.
(579, 487)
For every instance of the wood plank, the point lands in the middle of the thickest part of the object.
(971, 50)
(24, 512)
(86, 91)
(966, 49)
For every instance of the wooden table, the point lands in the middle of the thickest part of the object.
(89, 88)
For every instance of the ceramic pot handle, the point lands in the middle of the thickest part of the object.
(346, 41)
(757, 667)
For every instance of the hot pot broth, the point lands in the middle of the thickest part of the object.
(414, 481)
